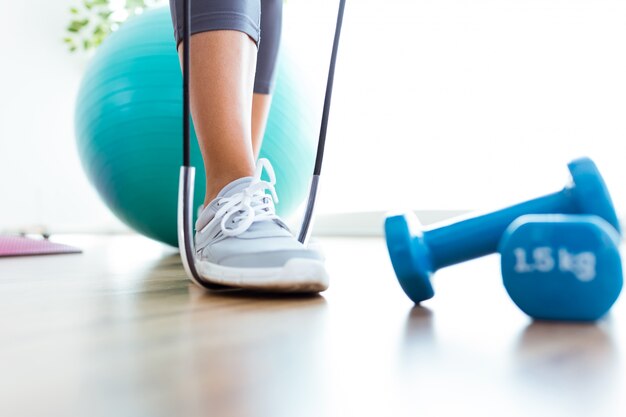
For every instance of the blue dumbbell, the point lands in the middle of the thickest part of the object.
(561, 267)
(417, 254)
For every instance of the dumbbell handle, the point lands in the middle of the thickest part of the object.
(480, 235)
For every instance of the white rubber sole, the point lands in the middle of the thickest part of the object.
(298, 275)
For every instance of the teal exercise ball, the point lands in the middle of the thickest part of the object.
(128, 122)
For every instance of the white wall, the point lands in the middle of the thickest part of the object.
(445, 104)
(459, 104)
(41, 181)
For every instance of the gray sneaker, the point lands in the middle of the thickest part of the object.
(241, 242)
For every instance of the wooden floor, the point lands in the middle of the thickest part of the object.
(118, 331)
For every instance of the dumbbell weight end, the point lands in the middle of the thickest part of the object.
(417, 254)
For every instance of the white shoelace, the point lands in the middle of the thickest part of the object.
(248, 206)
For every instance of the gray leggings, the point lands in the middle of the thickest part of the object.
(252, 17)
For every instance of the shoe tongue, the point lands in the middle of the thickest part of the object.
(229, 190)
(235, 187)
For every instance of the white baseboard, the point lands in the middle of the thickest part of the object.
(370, 223)
(356, 224)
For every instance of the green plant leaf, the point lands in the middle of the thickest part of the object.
(76, 25)
(100, 31)
(133, 4)
(96, 13)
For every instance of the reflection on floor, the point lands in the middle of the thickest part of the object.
(119, 331)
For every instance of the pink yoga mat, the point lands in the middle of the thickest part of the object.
(25, 246)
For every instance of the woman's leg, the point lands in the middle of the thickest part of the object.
(271, 27)
(223, 56)
(221, 79)
(261, 103)
(228, 119)
(239, 240)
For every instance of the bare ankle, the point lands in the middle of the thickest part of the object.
(215, 184)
